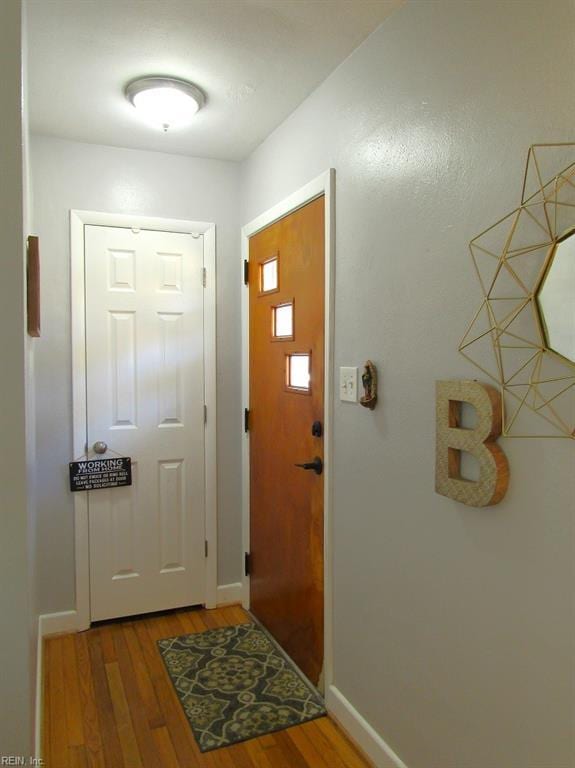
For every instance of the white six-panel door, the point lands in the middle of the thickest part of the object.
(145, 399)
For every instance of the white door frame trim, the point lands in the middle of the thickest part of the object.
(78, 221)
(324, 184)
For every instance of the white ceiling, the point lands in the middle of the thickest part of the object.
(255, 59)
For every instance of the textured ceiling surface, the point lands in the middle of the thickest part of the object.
(255, 59)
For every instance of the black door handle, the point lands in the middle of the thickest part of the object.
(316, 465)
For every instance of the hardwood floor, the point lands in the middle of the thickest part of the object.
(109, 703)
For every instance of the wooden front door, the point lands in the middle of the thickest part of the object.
(286, 287)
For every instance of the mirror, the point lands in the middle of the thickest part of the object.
(556, 299)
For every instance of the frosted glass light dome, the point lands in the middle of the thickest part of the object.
(165, 102)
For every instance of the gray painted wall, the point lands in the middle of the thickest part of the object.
(17, 638)
(70, 175)
(453, 626)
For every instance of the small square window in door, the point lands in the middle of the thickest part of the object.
(269, 275)
(283, 322)
(298, 372)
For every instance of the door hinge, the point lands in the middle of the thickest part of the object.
(246, 419)
(205, 414)
(204, 277)
(246, 272)
(247, 564)
(205, 548)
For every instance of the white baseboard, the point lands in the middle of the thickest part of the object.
(360, 731)
(55, 623)
(39, 695)
(230, 593)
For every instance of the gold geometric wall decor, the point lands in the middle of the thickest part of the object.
(480, 441)
(508, 338)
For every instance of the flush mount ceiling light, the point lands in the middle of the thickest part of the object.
(165, 101)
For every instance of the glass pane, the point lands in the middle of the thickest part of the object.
(283, 320)
(270, 275)
(556, 298)
(298, 367)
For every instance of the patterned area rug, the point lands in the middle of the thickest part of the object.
(234, 684)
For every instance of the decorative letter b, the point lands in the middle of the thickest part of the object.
(480, 441)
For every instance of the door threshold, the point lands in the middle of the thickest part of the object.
(143, 616)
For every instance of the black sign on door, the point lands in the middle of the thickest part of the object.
(95, 474)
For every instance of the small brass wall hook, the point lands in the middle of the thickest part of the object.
(369, 381)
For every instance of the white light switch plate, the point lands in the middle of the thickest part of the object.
(348, 384)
